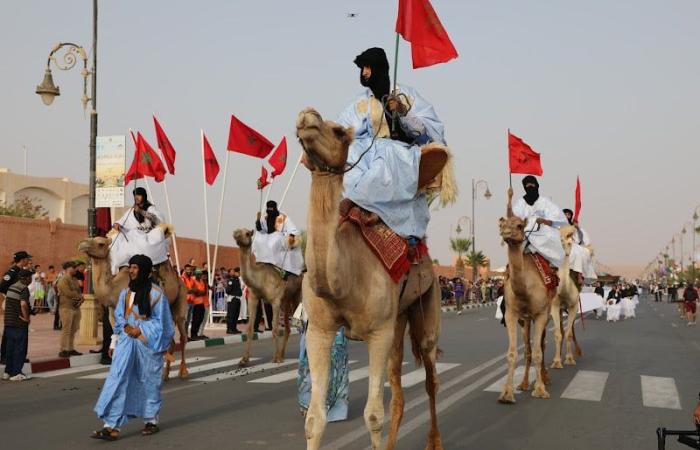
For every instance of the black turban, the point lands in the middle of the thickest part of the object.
(141, 286)
(379, 83)
(272, 214)
(145, 205)
(531, 194)
(571, 213)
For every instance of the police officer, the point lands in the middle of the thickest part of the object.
(21, 260)
(235, 293)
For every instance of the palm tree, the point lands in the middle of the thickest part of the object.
(460, 246)
(476, 259)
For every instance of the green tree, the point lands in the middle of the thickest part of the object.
(460, 246)
(23, 206)
(476, 259)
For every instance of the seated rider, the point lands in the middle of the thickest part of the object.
(543, 220)
(580, 259)
(391, 172)
(137, 233)
(276, 241)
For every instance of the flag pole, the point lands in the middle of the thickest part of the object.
(170, 218)
(148, 187)
(206, 209)
(396, 59)
(510, 174)
(289, 183)
(269, 190)
(221, 212)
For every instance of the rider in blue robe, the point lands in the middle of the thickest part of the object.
(143, 331)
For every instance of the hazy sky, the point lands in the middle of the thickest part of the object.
(604, 89)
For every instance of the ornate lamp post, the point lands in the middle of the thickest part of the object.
(487, 195)
(48, 92)
(464, 220)
(695, 231)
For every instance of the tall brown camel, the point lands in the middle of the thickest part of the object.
(107, 288)
(265, 282)
(567, 298)
(346, 285)
(527, 300)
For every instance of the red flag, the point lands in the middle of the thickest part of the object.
(243, 139)
(278, 160)
(418, 24)
(211, 165)
(522, 158)
(146, 162)
(165, 146)
(263, 181)
(577, 208)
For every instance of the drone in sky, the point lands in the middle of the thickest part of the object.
(352, 15)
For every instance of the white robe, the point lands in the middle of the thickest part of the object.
(138, 238)
(543, 239)
(272, 248)
(580, 258)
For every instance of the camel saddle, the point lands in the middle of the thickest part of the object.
(547, 272)
(394, 252)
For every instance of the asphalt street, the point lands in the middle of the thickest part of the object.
(634, 376)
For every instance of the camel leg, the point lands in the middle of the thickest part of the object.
(287, 329)
(252, 315)
(318, 349)
(572, 311)
(394, 374)
(279, 354)
(543, 366)
(578, 351)
(379, 347)
(525, 383)
(507, 395)
(183, 372)
(540, 390)
(555, 311)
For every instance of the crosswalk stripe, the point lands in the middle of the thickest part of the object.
(418, 376)
(361, 373)
(660, 392)
(586, 385)
(243, 371)
(173, 373)
(71, 370)
(283, 376)
(517, 376)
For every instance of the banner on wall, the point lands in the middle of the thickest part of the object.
(109, 177)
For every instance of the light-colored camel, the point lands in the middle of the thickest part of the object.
(567, 298)
(107, 288)
(264, 282)
(347, 285)
(527, 300)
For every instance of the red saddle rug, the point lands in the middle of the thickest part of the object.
(393, 251)
(547, 273)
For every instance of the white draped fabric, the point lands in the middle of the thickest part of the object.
(135, 238)
(273, 248)
(543, 239)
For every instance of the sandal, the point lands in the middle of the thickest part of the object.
(106, 434)
(149, 429)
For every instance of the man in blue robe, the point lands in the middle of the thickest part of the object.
(392, 174)
(143, 331)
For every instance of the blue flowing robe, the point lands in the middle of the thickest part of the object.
(132, 388)
(385, 181)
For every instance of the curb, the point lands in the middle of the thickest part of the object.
(50, 364)
(467, 307)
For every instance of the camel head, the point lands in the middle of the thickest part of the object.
(325, 143)
(512, 230)
(566, 234)
(97, 247)
(243, 238)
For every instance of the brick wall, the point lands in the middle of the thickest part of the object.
(53, 243)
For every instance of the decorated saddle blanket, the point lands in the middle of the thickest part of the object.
(547, 273)
(395, 253)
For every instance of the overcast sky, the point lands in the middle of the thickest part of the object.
(604, 89)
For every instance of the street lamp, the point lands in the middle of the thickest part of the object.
(487, 195)
(49, 91)
(464, 220)
(695, 231)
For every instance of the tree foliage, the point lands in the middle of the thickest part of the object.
(476, 259)
(23, 206)
(460, 246)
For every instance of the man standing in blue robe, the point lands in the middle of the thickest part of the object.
(399, 150)
(143, 331)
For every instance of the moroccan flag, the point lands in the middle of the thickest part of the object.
(577, 208)
(146, 162)
(419, 25)
(263, 181)
(211, 165)
(522, 158)
(165, 146)
(278, 159)
(243, 139)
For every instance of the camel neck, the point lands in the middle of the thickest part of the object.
(516, 265)
(323, 250)
(252, 278)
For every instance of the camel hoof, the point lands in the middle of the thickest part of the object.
(434, 444)
(244, 362)
(507, 397)
(277, 360)
(166, 375)
(569, 361)
(524, 386)
(183, 373)
(557, 365)
(540, 392)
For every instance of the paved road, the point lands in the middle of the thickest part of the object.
(634, 376)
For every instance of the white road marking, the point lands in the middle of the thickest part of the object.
(517, 377)
(242, 371)
(283, 376)
(173, 373)
(58, 373)
(362, 373)
(418, 376)
(674, 325)
(586, 385)
(660, 392)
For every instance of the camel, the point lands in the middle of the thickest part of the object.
(567, 298)
(346, 285)
(527, 300)
(264, 282)
(107, 288)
